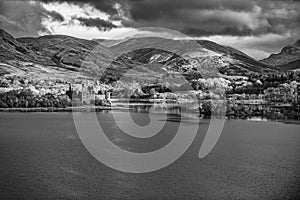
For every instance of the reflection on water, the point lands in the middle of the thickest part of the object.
(190, 109)
(156, 108)
(195, 109)
(262, 119)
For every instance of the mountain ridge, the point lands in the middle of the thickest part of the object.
(287, 59)
(54, 53)
(227, 59)
(65, 55)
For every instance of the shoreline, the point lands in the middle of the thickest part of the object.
(104, 108)
(67, 109)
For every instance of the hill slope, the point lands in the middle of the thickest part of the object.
(63, 56)
(54, 54)
(195, 55)
(287, 59)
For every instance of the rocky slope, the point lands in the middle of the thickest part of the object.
(287, 59)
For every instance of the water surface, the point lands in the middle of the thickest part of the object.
(42, 157)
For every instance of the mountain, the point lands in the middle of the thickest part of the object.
(52, 54)
(287, 59)
(150, 57)
(189, 56)
(12, 49)
(107, 42)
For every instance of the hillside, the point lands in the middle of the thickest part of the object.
(287, 59)
(53, 54)
(188, 56)
(150, 57)
(11, 49)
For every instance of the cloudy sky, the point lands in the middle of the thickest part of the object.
(257, 27)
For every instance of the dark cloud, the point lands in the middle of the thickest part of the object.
(96, 22)
(24, 17)
(262, 25)
(103, 5)
(153, 9)
(55, 16)
(218, 17)
(21, 18)
(200, 17)
(255, 19)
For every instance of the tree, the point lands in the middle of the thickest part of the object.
(3, 104)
